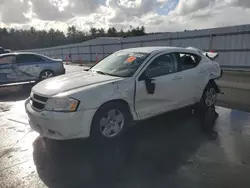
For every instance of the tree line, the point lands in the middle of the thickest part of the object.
(18, 39)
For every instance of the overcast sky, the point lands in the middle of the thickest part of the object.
(155, 15)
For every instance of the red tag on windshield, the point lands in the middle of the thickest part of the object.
(131, 59)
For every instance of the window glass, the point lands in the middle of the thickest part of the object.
(29, 58)
(7, 59)
(121, 64)
(188, 61)
(162, 65)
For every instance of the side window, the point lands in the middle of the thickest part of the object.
(188, 61)
(7, 59)
(29, 58)
(162, 65)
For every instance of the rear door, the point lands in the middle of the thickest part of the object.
(193, 75)
(29, 66)
(8, 69)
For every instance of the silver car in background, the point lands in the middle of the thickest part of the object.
(24, 66)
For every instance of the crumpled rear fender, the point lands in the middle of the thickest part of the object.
(213, 83)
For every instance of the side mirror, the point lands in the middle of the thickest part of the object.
(150, 86)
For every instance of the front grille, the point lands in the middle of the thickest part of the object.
(38, 102)
(40, 98)
(38, 105)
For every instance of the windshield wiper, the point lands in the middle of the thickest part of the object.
(100, 72)
(104, 73)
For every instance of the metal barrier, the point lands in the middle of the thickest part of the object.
(232, 43)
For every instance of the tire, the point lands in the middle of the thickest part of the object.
(45, 74)
(110, 122)
(209, 97)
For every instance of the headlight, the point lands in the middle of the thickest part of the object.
(62, 104)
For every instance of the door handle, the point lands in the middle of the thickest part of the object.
(177, 78)
(37, 65)
(202, 71)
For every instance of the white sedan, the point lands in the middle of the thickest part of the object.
(129, 85)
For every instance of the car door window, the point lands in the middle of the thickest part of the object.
(162, 65)
(7, 59)
(188, 61)
(29, 58)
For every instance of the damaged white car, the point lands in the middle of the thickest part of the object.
(129, 85)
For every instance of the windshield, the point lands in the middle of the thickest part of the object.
(121, 64)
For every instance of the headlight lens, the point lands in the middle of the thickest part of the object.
(62, 104)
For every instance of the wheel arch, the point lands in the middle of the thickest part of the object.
(213, 84)
(121, 101)
(209, 82)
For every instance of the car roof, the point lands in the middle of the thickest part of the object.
(17, 53)
(152, 49)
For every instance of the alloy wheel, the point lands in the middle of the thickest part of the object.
(210, 97)
(46, 75)
(112, 123)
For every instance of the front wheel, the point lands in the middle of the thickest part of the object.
(209, 97)
(110, 121)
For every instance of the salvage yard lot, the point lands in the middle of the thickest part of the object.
(167, 151)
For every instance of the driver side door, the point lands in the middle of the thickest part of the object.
(158, 87)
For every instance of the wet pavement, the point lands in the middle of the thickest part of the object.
(167, 151)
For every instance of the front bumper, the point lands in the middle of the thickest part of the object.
(60, 125)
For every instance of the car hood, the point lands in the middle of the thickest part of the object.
(67, 82)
